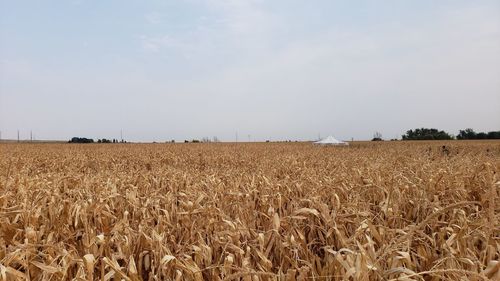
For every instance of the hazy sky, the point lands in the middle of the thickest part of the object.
(276, 69)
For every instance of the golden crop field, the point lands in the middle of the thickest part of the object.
(261, 211)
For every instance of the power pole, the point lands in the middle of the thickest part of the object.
(31, 136)
(17, 135)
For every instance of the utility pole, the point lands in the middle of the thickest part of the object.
(17, 135)
(31, 135)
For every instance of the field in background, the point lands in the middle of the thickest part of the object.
(289, 211)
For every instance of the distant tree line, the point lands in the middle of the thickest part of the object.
(469, 134)
(80, 140)
(426, 134)
(110, 141)
(204, 140)
(435, 134)
(87, 140)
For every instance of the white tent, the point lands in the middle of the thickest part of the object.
(330, 140)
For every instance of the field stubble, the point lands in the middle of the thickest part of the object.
(370, 211)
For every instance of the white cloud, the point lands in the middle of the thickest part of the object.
(154, 18)
(429, 67)
(230, 33)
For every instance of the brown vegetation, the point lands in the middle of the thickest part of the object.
(370, 211)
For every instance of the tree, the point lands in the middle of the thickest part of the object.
(481, 136)
(80, 140)
(467, 134)
(426, 134)
(377, 136)
(494, 135)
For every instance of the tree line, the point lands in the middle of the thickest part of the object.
(435, 134)
(469, 134)
(87, 140)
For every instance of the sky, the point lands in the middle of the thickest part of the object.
(275, 69)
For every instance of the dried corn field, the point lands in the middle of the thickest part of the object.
(290, 211)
